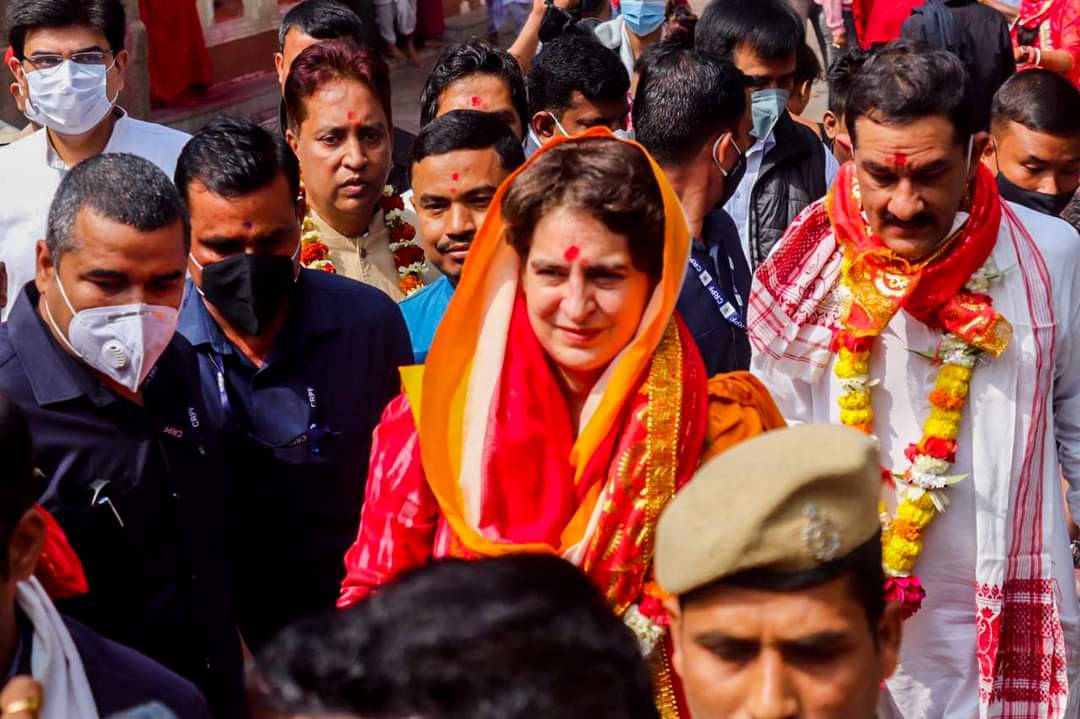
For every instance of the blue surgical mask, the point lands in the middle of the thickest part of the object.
(643, 17)
(766, 106)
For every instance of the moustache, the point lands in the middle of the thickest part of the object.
(923, 219)
(453, 244)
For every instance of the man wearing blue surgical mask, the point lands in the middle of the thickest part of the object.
(69, 63)
(638, 26)
(787, 167)
(111, 393)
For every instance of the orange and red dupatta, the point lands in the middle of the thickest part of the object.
(495, 436)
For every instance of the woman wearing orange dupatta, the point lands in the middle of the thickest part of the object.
(563, 403)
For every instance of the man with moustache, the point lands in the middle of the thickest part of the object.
(973, 390)
(458, 162)
(780, 611)
(296, 367)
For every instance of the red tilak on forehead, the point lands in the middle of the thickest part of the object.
(572, 253)
(351, 115)
(474, 100)
(900, 159)
(455, 176)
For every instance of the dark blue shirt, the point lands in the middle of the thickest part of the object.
(723, 346)
(298, 434)
(151, 538)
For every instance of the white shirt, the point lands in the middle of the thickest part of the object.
(30, 173)
(939, 673)
(738, 206)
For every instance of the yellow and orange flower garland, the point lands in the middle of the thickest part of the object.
(408, 255)
(920, 490)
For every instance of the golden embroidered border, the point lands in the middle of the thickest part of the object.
(662, 426)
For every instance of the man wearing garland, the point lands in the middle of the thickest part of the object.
(914, 304)
(337, 99)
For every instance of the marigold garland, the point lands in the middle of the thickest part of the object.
(408, 255)
(920, 488)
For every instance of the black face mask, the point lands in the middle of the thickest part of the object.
(248, 289)
(1039, 201)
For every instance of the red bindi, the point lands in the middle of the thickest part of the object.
(900, 159)
(572, 253)
(455, 177)
(351, 116)
(474, 100)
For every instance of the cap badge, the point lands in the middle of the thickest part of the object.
(820, 536)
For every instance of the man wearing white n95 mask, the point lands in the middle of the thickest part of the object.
(132, 473)
(69, 61)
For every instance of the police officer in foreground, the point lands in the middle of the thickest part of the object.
(111, 393)
(773, 555)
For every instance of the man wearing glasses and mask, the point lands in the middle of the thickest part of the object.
(69, 61)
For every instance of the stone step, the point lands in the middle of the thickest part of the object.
(252, 96)
(460, 28)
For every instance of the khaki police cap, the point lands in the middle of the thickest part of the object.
(787, 501)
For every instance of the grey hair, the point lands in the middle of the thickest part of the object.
(120, 187)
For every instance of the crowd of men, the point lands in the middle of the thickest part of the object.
(203, 333)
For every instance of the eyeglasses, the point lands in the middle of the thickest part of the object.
(48, 60)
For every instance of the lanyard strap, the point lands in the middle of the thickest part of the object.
(729, 311)
(218, 361)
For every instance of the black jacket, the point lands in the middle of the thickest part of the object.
(791, 178)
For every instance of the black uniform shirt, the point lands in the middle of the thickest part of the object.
(139, 492)
(298, 434)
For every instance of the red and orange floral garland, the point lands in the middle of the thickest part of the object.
(408, 255)
(920, 489)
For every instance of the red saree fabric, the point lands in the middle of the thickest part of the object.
(885, 19)
(430, 22)
(401, 526)
(178, 56)
(1057, 26)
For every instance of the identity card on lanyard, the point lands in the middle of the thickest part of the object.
(728, 310)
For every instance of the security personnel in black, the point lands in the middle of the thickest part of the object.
(690, 114)
(111, 393)
(712, 301)
(297, 366)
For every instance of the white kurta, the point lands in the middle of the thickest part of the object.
(31, 171)
(939, 673)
